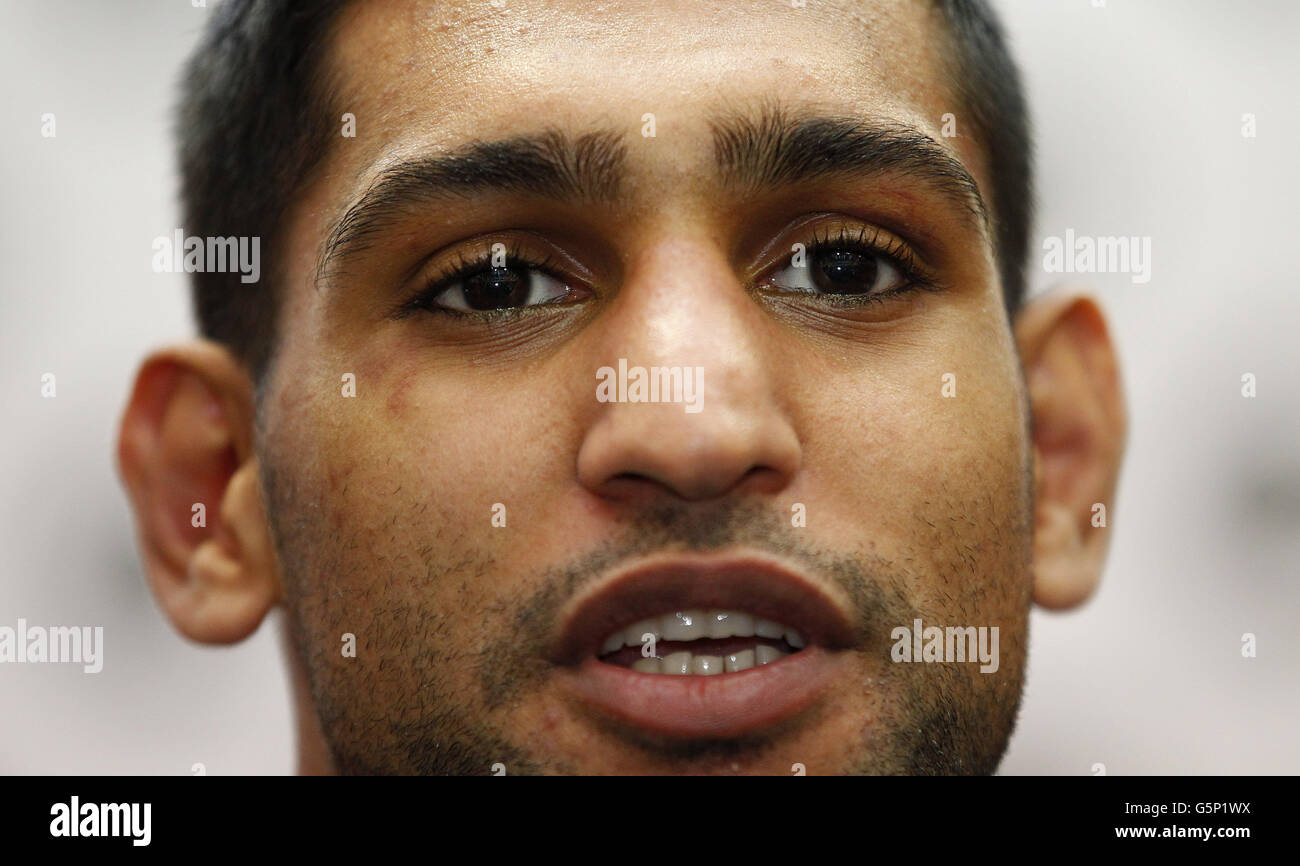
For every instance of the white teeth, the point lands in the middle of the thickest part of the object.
(635, 633)
(677, 663)
(729, 623)
(706, 665)
(742, 625)
(683, 663)
(684, 625)
(691, 625)
(743, 660)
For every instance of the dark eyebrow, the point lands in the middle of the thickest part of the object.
(585, 169)
(775, 148)
(771, 149)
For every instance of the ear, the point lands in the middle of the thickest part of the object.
(1079, 427)
(186, 458)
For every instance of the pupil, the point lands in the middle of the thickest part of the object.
(496, 288)
(844, 272)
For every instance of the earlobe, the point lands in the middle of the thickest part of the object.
(185, 454)
(1079, 428)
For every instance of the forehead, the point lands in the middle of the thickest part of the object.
(433, 74)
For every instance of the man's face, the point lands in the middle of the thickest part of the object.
(482, 519)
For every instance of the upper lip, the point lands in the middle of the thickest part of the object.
(754, 584)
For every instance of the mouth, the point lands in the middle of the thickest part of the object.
(700, 647)
(700, 643)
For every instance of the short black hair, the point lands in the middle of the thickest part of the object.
(987, 83)
(255, 119)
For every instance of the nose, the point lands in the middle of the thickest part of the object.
(683, 316)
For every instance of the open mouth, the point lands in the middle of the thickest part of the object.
(703, 647)
(700, 643)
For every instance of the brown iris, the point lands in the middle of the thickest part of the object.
(496, 288)
(843, 271)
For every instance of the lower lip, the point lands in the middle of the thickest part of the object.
(705, 707)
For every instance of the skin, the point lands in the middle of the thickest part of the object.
(371, 515)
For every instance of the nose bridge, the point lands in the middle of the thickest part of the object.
(682, 304)
(686, 399)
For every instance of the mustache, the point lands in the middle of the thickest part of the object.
(515, 661)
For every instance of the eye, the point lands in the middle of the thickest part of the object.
(847, 265)
(479, 288)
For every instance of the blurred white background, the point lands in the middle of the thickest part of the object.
(1138, 109)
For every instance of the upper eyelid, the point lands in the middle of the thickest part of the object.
(905, 258)
(845, 239)
(536, 249)
(835, 223)
(463, 266)
(858, 233)
(869, 237)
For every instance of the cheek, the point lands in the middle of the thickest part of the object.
(425, 448)
(926, 467)
(385, 499)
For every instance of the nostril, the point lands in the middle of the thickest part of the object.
(634, 477)
(640, 456)
(631, 486)
(762, 479)
(693, 487)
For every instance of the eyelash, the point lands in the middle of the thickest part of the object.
(866, 240)
(871, 241)
(466, 267)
